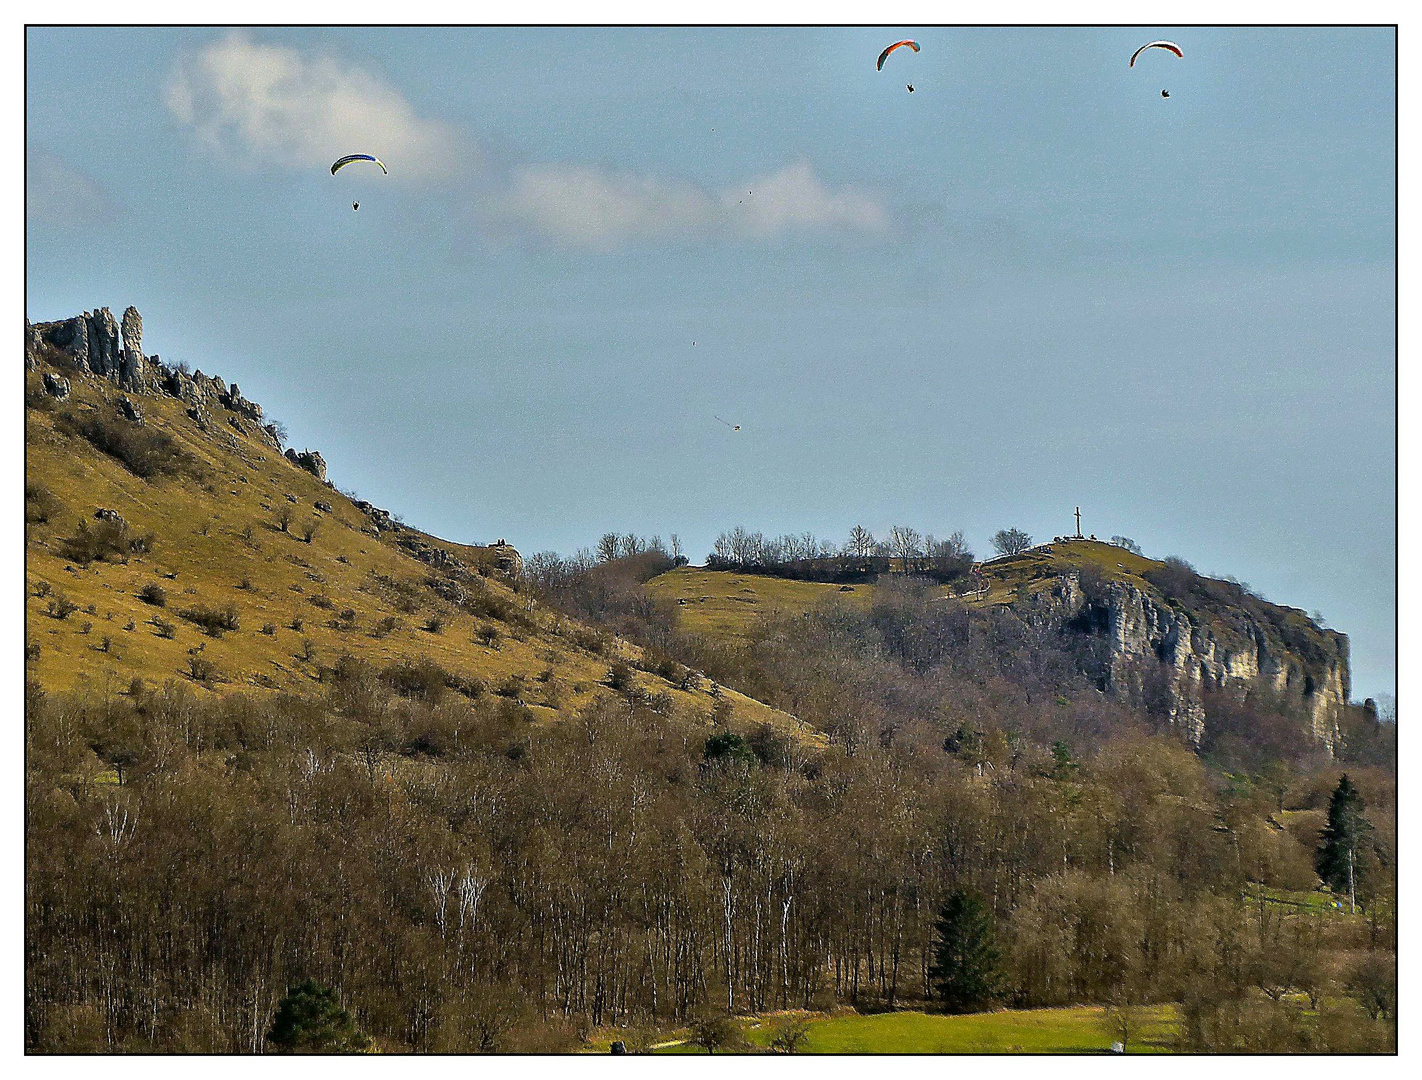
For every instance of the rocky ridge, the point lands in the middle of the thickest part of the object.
(1158, 645)
(97, 345)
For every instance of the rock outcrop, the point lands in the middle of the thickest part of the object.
(309, 460)
(1160, 650)
(98, 344)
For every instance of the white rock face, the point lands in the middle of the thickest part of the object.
(1197, 660)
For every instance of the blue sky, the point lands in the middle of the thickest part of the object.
(1031, 284)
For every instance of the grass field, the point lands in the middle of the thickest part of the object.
(1078, 1030)
(728, 604)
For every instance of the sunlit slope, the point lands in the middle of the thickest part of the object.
(728, 604)
(300, 605)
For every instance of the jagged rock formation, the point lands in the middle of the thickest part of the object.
(56, 386)
(310, 460)
(1158, 646)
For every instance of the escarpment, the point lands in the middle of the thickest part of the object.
(1173, 640)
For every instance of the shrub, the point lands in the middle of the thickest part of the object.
(423, 679)
(322, 601)
(42, 589)
(164, 628)
(40, 504)
(435, 624)
(154, 594)
(309, 531)
(296, 624)
(201, 669)
(213, 621)
(470, 686)
(386, 626)
(143, 451)
(269, 629)
(61, 607)
(488, 634)
(311, 1019)
(619, 677)
(283, 520)
(103, 541)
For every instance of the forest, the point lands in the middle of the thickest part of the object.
(461, 879)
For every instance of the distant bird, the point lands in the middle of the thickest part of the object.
(733, 427)
(910, 88)
(355, 206)
(1165, 93)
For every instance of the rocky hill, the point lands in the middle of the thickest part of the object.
(1179, 633)
(1167, 636)
(169, 538)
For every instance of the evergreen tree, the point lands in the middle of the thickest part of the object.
(310, 1019)
(964, 972)
(1339, 860)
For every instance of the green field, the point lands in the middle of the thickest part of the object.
(1078, 1030)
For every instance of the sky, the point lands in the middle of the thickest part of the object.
(1031, 284)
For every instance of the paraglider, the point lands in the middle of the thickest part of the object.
(1168, 45)
(343, 162)
(733, 427)
(896, 45)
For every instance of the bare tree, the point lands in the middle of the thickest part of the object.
(1011, 541)
(609, 547)
(860, 542)
(676, 551)
(906, 545)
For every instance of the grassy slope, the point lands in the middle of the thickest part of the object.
(723, 603)
(201, 526)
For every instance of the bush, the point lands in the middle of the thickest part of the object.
(164, 628)
(322, 601)
(435, 624)
(311, 1019)
(61, 607)
(385, 627)
(488, 635)
(40, 504)
(103, 541)
(422, 679)
(213, 621)
(201, 669)
(154, 594)
(143, 451)
(619, 677)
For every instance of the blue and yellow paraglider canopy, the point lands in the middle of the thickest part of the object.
(358, 157)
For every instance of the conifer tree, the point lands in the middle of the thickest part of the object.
(1339, 857)
(964, 972)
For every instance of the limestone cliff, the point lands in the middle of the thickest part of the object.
(1172, 636)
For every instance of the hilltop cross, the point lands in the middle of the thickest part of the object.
(1078, 523)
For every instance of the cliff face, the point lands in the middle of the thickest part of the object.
(1158, 645)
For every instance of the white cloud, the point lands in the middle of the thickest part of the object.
(596, 208)
(56, 193)
(794, 198)
(589, 206)
(301, 110)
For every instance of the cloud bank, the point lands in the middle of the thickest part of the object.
(596, 208)
(278, 104)
(301, 110)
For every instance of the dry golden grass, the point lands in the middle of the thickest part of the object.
(218, 543)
